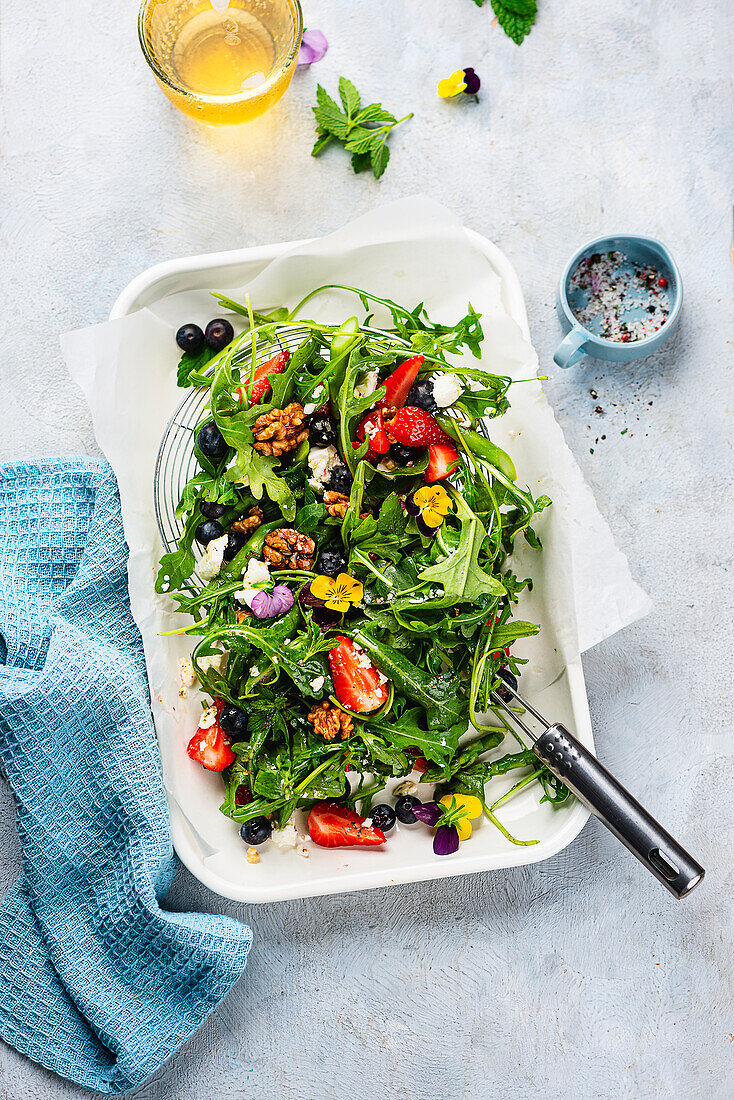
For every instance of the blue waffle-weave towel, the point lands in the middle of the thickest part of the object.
(97, 982)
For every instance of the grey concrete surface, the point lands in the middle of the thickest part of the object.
(579, 976)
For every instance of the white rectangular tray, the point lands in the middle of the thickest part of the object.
(218, 860)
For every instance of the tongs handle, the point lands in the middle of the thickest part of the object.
(622, 814)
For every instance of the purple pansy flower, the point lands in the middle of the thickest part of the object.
(313, 47)
(266, 606)
(446, 838)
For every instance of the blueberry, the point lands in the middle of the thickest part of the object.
(235, 541)
(256, 830)
(190, 338)
(211, 442)
(341, 480)
(218, 334)
(209, 530)
(233, 721)
(404, 809)
(383, 817)
(421, 395)
(509, 678)
(321, 431)
(405, 456)
(211, 510)
(330, 562)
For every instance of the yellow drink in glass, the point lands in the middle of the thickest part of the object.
(221, 63)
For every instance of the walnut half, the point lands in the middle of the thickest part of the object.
(280, 430)
(329, 721)
(286, 548)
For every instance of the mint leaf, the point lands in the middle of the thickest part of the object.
(189, 363)
(375, 113)
(363, 130)
(324, 138)
(349, 96)
(528, 8)
(379, 156)
(514, 25)
(329, 116)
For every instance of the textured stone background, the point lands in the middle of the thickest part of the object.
(578, 976)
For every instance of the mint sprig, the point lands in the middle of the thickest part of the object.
(363, 131)
(516, 17)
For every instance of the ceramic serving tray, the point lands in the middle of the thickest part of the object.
(208, 843)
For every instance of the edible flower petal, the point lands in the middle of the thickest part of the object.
(266, 606)
(452, 85)
(338, 592)
(446, 840)
(429, 813)
(313, 47)
(434, 504)
(472, 81)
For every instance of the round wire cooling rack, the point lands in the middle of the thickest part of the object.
(176, 463)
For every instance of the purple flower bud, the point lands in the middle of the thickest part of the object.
(410, 505)
(428, 813)
(446, 840)
(472, 81)
(313, 47)
(265, 606)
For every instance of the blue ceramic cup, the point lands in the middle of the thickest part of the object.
(579, 341)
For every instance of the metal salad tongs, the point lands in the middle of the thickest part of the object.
(607, 799)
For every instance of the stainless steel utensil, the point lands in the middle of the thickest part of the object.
(607, 799)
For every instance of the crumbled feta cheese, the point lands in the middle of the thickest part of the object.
(257, 574)
(186, 676)
(254, 671)
(212, 559)
(285, 838)
(322, 461)
(317, 683)
(253, 856)
(216, 661)
(208, 718)
(446, 389)
(369, 385)
(316, 485)
(363, 661)
(310, 407)
(303, 851)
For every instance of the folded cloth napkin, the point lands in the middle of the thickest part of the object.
(97, 982)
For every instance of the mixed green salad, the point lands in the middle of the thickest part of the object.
(352, 601)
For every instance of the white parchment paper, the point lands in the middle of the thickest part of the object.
(412, 250)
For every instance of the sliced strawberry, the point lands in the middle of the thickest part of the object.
(261, 379)
(332, 825)
(373, 426)
(210, 745)
(397, 385)
(357, 683)
(415, 427)
(442, 459)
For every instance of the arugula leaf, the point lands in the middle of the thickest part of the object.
(515, 25)
(460, 573)
(406, 732)
(362, 130)
(177, 566)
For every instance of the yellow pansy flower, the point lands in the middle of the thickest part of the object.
(434, 503)
(338, 592)
(452, 85)
(462, 807)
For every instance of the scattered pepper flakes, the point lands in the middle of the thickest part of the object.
(594, 394)
(598, 410)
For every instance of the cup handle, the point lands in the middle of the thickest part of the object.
(570, 348)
